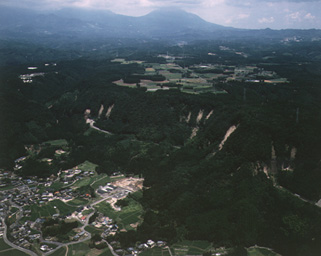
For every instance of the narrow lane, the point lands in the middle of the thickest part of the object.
(5, 239)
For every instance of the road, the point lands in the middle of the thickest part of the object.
(169, 250)
(111, 249)
(58, 244)
(12, 244)
(70, 243)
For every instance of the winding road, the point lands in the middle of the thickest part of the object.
(12, 244)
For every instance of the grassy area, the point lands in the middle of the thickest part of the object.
(87, 166)
(112, 179)
(13, 252)
(79, 249)
(48, 209)
(106, 252)
(86, 181)
(82, 249)
(61, 142)
(101, 182)
(57, 185)
(93, 230)
(260, 252)
(191, 247)
(106, 209)
(60, 252)
(78, 202)
(3, 245)
(86, 212)
(155, 252)
(128, 215)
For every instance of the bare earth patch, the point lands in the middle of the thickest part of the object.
(228, 134)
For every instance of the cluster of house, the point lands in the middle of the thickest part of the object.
(27, 78)
(26, 195)
(78, 214)
(22, 234)
(109, 226)
(140, 247)
(72, 175)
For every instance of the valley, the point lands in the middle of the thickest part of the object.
(158, 142)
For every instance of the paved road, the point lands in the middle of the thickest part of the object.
(111, 249)
(70, 243)
(58, 244)
(169, 250)
(12, 244)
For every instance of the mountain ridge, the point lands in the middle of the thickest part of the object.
(161, 24)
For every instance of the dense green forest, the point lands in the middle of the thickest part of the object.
(234, 195)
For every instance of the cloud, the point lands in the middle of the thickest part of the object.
(294, 16)
(243, 16)
(309, 16)
(266, 20)
(176, 2)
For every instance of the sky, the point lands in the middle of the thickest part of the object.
(253, 14)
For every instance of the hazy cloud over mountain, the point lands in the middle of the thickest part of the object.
(242, 14)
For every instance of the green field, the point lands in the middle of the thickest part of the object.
(130, 214)
(60, 252)
(61, 142)
(3, 245)
(106, 209)
(93, 230)
(191, 247)
(82, 249)
(78, 202)
(156, 252)
(86, 181)
(101, 182)
(57, 185)
(12, 252)
(48, 209)
(260, 252)
(87, 166)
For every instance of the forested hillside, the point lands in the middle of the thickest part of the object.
(223, 167)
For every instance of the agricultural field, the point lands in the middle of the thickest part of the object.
(127, 218)
(78, 202)
(60, 252)
(61, 142)
(82, 249)
(156, 252)
(258, 251)
(191, 247)
(184, 78)
(12, 252)
(87, 166)
(47, 210)
(102, 181)
(3, 245)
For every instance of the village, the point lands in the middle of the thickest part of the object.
(26, 204)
